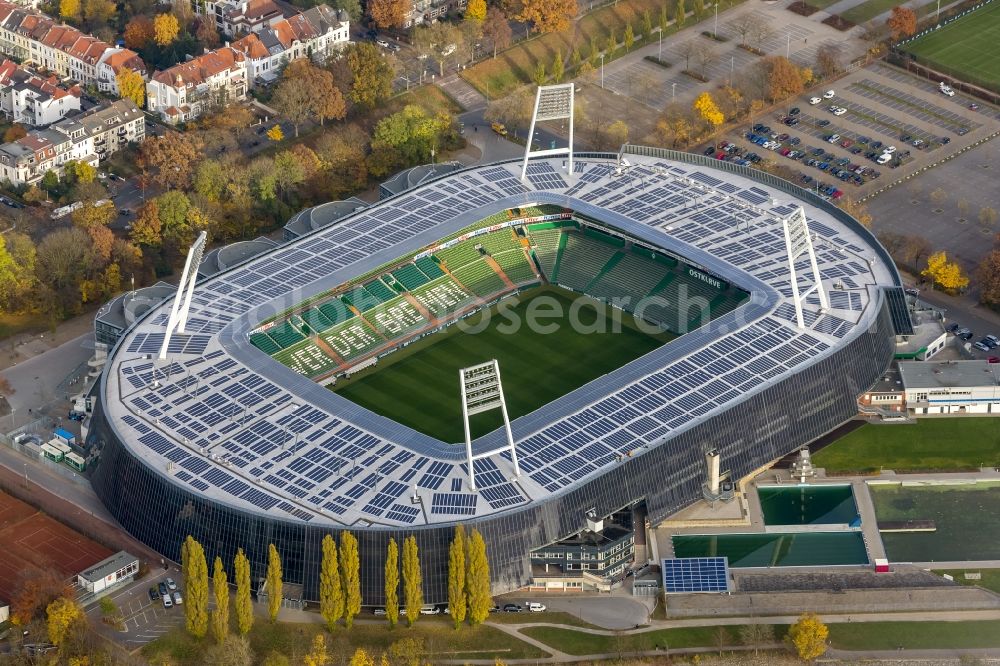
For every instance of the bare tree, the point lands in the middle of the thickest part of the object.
(686, 51)
(938, 196)
(705, 55)
(828, 59)
(744, 25)
(760, 31)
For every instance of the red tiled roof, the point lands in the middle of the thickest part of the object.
(251, 47)
(195, 71)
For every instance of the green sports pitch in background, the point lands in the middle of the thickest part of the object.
(965, 48)
(418, 386)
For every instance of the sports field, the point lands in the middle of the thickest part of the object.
(418, 386)
(965, 48)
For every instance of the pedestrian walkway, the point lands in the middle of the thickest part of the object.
(462, 92)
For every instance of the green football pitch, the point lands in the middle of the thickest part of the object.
(418, 386)
(965, 48)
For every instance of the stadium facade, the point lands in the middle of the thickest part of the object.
(222, 442)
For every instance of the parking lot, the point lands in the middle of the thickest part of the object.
(145, 620)
(836, 145)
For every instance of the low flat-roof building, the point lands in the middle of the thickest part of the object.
(116, 569)
(951, 387)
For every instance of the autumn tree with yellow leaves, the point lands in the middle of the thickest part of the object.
(165, 29)
(808, 637)
(131, 86)
(946, 274)
(709, 110)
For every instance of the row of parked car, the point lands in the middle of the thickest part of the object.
(531, 606)
(167, 592)
(988, 343)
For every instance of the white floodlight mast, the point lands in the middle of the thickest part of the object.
(185, 292)
(481, 386)
(799, 242)
(551, 103)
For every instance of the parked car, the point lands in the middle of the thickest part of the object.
(535, 607)
(889, 149)
(823, 123)
(813, 101)
(982, 345)
(154, 594)
(167, 602)
(429, 610)
(953, 328)
(993, 359)
(828, 94)
(171, 585)
(840, 111)
(378, 611)
(178, 599)
(511, 608)
(162, 588)
(383, 43)
(946, 90)
(964, 333)
(494, 608)
(794, 111)
(884, 158)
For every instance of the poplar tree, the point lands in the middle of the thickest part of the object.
(274, 584)
(456, 577)
(413, 584)
(350, 572)
(478, 579)
(195, 588)
(392, 583)
(331, 594)
(220, 616)
(244, 609)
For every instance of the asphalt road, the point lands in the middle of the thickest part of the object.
(37, 379)
(609, 612)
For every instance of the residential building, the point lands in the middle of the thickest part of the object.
(87, 137)
(428, 11)
(31, 99)
(31, 37)
(187, 90)
(242, 17)
(315, 33)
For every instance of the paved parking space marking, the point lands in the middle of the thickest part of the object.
(914, 106)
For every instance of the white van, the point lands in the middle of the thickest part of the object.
(535, 607)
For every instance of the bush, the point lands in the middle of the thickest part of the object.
(657, 61)
(714, 37)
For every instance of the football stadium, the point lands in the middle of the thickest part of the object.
(642, 308)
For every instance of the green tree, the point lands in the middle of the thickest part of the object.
(371, 74)
(647, 25)
(195, 588)
(664, 20)
(350, 571)
(612, 44)
(456, 577)
(477, 572)
(210, 180)
(698, 7)
(575, 58)
(538, 74)
(413, 582)
(220, 615)
(172, 207)
(558, 68)
(17, 270)
(331, 594)
(808, 636)
(680, 13)
(274, 582)
(629, 37)
(244, 605)
(392, 583)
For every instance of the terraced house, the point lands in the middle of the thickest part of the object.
(89, 137)
(315, 33)
(29, 36)
(31, 99)
(185, 91)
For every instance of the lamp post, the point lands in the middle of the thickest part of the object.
(659, 54)
(673, 92)
(602, 71)
(715, 31)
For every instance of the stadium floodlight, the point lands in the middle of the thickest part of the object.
(185, 292)
(482, 391)
(798, 242)
(551, 103)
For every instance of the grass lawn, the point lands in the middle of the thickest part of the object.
(821, 4)
(575, 642)
(990, 577)
(915, 635)
(868, 10)
(418, 385)
(513, 68)
(929, 445)
(965, 48)
(440, 641)
(11, 324)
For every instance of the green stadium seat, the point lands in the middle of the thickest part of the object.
(546, 242)
(480, 279)
(396, 318)
(516, 266)
(352, 338)
(306, 359)
(264, 343)
(633, 277)
(379, 290)
(336, 311)
(361, 299)
(314, 318)
(583, 258)
(285, 334)
(498, 241)
(459, 255)
(410, 277)
(429, 267)
(441, 297)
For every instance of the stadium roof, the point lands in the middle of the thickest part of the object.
(230, 423)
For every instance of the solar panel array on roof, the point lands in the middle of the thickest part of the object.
(236, 432)
(899, 311)
(695, 574)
